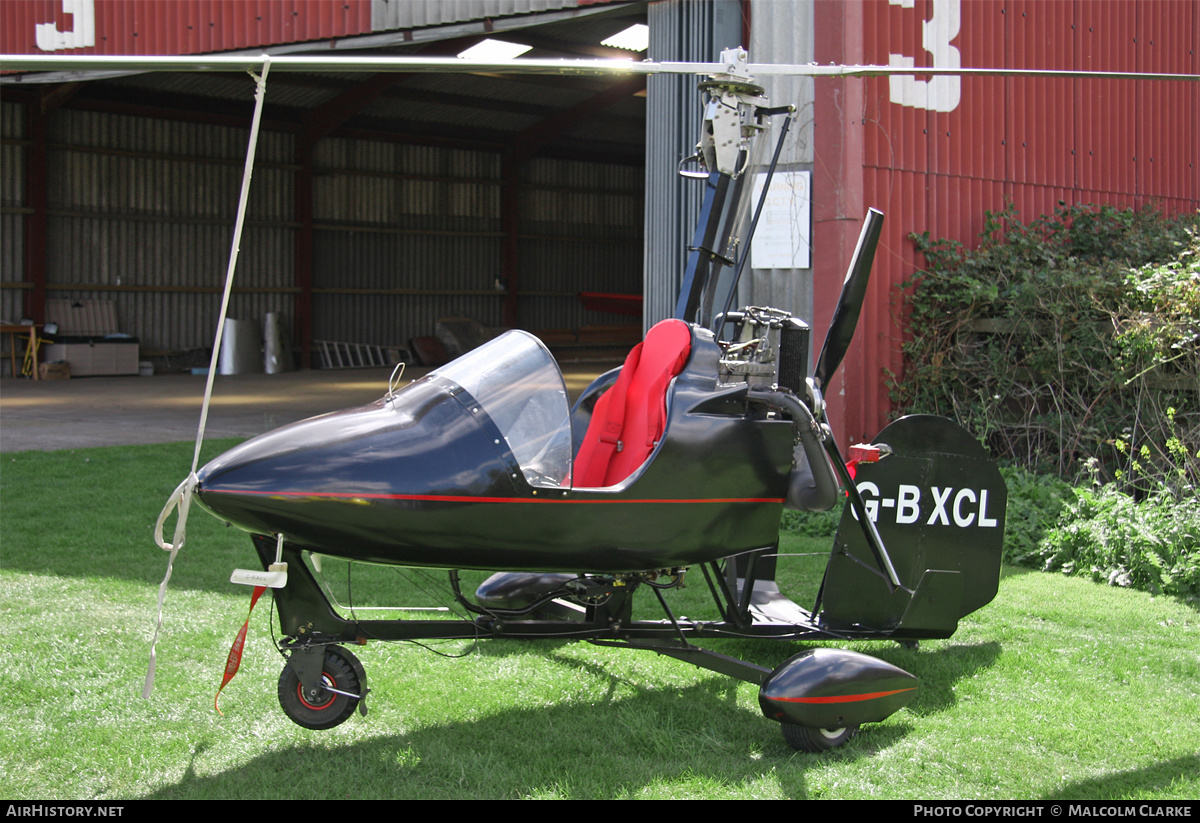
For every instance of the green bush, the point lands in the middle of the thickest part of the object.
(811, 524)
(1152, 545)
(1063, 341)
(1035, 502)
(1071, 346)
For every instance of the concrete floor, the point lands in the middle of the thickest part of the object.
(46, 415)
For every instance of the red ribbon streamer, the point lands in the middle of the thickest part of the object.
(234, 661)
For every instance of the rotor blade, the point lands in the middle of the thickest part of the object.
(341, 62)
(377, 64)
(854, 290)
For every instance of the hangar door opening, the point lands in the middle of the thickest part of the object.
(380, 205)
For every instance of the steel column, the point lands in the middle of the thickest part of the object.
(304, 248)
(510, 220)
(35, 222)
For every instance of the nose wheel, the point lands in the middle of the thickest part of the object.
(324, 698)
(809, 739)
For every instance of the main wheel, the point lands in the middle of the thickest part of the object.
(324, 708)
(809, 739)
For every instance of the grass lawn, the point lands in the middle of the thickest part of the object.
(1060, 689)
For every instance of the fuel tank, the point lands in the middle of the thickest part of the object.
(835, 688)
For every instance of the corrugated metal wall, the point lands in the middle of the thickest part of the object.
(580, 231)
(936, 153)
(680, 30)
(175, 26)
(140, 211)
(406, 235)
(403, 234)
(403, 14)
(783, 33)
(12, 218)
(204, 26)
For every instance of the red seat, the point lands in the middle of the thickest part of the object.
(628, 420)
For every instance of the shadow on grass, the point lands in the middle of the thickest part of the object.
(940, 670)
(628, 739)
(1156, 779)
(91, 513)
(691, 742)
(1009, 570)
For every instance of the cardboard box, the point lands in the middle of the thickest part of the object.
(100, 358)
(54, 371)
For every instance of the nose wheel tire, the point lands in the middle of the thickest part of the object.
(809, 739)
(332, 703)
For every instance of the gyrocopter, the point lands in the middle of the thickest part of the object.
(682, 458)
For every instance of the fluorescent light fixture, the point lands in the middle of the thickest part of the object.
(634, 38)
(494, 51)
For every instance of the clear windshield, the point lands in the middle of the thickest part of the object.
(515, 380)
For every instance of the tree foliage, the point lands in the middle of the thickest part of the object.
(1065, 340)
(1071, 346)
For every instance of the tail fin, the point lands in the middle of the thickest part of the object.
(938, 501)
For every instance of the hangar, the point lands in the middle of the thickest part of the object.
(382, 203)
(379, 203)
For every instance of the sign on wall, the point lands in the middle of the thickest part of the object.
(783, 239)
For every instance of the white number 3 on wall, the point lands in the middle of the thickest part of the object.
(82, 33)
(941, 93)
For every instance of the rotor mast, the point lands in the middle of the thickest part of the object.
(732, 120)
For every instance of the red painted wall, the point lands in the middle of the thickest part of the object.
(1034, 141)
(173, 26)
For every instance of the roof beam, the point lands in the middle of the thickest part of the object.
(528, 142)
(323, 119)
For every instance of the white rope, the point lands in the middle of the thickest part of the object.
(181, 498)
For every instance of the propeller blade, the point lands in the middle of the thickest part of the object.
(854, 290)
